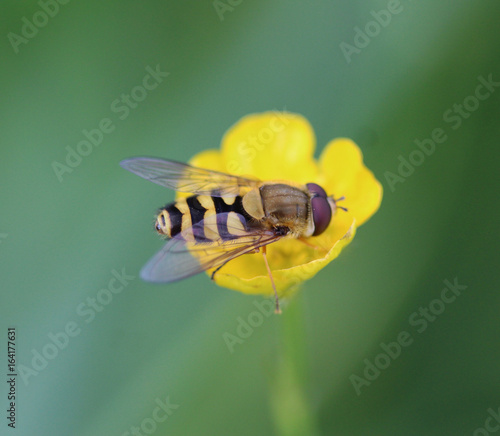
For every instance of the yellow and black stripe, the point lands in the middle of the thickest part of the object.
(186, 214)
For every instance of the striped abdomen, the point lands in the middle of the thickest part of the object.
(187, 213)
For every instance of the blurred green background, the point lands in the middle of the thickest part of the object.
(293, 375)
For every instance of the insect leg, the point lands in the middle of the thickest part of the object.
(264, 253)
(256, 250)
(217, 269)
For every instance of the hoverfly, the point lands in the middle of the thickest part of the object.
(227, 216)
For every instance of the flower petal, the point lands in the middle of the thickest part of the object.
(209, 160)
(344, 173)
(271, 146)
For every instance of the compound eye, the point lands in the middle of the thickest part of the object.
(322, 214)
(316, 190)
(321, 209)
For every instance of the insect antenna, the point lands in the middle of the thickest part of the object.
(337, 200)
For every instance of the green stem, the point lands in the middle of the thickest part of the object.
(291, 410)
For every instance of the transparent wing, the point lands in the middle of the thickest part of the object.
(185, 178)
(184, 255)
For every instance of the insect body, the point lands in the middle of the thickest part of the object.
(226, 217)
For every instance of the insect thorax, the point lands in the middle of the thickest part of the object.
(286, 206)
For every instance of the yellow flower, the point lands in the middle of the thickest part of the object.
(280, 146)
